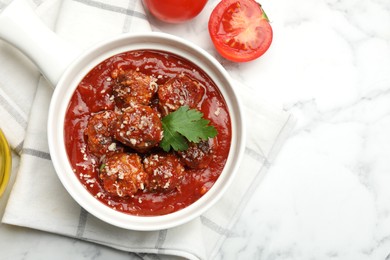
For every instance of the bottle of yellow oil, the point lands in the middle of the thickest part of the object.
(5, 162)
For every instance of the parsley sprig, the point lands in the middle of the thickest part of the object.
(185, 125)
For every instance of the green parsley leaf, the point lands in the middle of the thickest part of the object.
(102, 167)
(182, 125)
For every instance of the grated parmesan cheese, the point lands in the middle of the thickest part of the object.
(217, 112)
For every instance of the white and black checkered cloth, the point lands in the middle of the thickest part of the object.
(38, 199)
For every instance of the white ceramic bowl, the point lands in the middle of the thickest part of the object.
(73, 73)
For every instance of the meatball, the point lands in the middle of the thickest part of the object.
(179, 91)
(197, 156)
(99, 133)
(139, 127)
(133, 87)
(165, 172)
(123, 174)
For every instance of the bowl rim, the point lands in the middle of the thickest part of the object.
(68, 83)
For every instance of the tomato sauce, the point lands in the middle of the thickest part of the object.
(94, 94)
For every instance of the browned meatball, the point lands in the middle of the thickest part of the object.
(197, 156)
(99, 133)
(133, 87)
(139, 127)
(165, 172)
(179, 91)
(123, 174)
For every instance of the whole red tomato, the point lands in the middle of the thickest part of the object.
(174, 11)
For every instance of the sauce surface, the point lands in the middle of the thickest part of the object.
(95, 94)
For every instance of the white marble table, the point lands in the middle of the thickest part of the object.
(327, 195)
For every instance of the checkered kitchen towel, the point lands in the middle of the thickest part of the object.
(38, 199)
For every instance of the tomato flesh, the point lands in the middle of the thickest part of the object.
(174, 11)
(240, 30)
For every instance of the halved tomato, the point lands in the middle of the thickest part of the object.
(240, 30)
